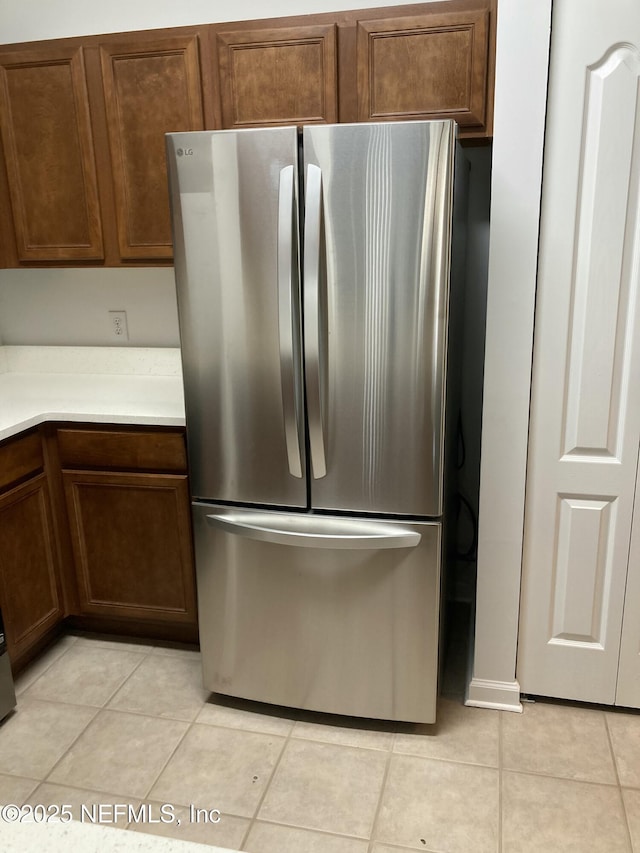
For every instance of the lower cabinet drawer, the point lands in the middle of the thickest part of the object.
(20, 457)
(122, 449)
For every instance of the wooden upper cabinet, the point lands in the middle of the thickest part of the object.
(48, 145)
(151, 87)
(433, 65)
(82, 120)
(277, 76)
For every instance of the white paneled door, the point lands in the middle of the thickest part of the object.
(585, 410)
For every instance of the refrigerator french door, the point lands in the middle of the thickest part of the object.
(312, 277)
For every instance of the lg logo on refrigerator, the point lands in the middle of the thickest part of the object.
(184, 152)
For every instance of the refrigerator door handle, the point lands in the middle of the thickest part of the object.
(315, 532)
(312, 315)
(287, 315)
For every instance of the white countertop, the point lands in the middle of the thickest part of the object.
(132, 385)
(91, 838)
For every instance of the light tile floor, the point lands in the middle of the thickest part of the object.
(104, 722)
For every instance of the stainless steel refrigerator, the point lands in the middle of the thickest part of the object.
(312, 275)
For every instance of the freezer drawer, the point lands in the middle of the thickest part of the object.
(314, 612)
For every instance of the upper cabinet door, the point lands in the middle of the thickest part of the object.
(46, 132)
(151, 87)
(431, 66)
(278, 76)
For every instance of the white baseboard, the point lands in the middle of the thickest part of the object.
(500, 695)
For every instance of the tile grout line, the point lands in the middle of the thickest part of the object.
(74, 741)
(97, 709)
(143, 656)
(12, 776)
(131, 711)
(116, 690)
(253, 819)
(615, 768)
(189, 726)
(47, 668)
(612, 750)
(104, 707)
(98, 642)
(319, 739)
(385, 776)
(328, 832)
(572, 779)
(117, 797)
(441, 760)
(292, 737)
(88, 790)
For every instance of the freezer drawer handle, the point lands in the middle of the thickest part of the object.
(312, 532)
(288, 316)
(312, 318)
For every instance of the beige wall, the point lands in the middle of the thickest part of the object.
(43, 19)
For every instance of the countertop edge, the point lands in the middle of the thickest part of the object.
(88, 418)
(138, 387)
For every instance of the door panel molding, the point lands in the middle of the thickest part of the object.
(602, 281)
(583, 564)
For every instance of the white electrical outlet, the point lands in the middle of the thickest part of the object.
(119, 329)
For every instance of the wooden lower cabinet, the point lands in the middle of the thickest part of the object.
(30, 594)
(104, 550)
(131, 537)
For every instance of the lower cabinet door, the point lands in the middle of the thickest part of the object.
(29, 588)
(131, 536)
